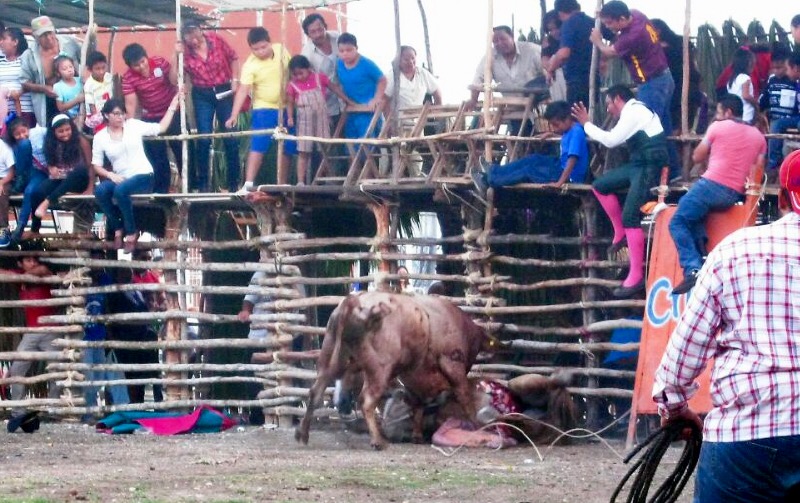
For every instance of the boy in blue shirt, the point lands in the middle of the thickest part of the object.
(790, 105)
(779, 96)
(571, 166)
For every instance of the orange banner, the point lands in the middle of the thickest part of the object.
(663, 309)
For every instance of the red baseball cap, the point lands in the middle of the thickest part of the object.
(790, 179)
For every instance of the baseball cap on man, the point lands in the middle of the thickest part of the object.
(790, 179)
(41, 25)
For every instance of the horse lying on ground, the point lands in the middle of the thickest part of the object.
(426, 342)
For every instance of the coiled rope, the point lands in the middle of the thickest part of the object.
(647, 465)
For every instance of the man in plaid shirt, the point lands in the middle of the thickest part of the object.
(744, 312)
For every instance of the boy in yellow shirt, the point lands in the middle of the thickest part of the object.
(265, 73)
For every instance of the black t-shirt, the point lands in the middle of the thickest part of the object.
(575, 33)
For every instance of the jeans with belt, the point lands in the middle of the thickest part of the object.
(206, 106)
(156, 151)
(656, 93)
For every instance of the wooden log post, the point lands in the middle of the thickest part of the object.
(589, 253)
(175, 328)
(473, 221)
(382, 235)
(274, 217)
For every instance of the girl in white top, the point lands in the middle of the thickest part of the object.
(121, 142)
(740, 83)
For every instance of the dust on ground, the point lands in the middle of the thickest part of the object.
(72, 462)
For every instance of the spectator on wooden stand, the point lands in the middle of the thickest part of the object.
(213, 67)
(639, 128)
(38, 71)
(733, 148)
(151, 83)
(265, 73)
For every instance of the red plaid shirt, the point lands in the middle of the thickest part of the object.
(216, 68)
(745, 313)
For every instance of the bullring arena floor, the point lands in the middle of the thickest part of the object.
(71, 462)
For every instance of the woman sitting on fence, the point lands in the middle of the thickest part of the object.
(68, 154)
(30, 169)
(122, 143)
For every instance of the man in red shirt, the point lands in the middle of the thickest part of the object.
(31, 341)
(150, 83)
(211, 64)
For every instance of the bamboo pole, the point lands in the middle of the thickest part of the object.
(182, 89)
(686, 69)
(167, 265)
(488, 95)
(42, 330)
(594, 65)
(85, 49)
(190, 344)
(47, 377)
(426, 35)
(523, 370)
(282, 293)
(554, 308)
(194, 381)
(35, 356)
(163, 367)
(282, 175)
(62, 301)
(553, 347)
(170, 405)
(145, 318)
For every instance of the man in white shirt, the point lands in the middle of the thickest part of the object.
(640, 129)
(322, 51)
(514, 63)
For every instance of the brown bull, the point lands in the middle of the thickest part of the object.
(426, 342)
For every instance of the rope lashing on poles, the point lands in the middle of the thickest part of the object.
(647, 465)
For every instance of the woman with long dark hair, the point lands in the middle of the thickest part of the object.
(68, 156)
(131, 172)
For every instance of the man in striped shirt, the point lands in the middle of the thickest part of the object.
(744, 312)
(149, 85)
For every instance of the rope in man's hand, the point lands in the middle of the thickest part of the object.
(647, 465)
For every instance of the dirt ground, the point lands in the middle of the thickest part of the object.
(71, 462)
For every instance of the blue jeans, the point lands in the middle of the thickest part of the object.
(23, 165)
(779, 126)
(206, 106)
(115, 201)
(687, 225)
(156, 151)
(97, 356)
(656, 93)
(26, 209)
(749, 472)
(535, 168)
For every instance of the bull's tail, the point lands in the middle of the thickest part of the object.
(561, 408)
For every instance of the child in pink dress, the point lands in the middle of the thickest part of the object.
(307, 92)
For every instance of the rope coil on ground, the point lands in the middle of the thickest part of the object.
(645, 468)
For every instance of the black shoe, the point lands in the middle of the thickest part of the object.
(625, 292)
(687, 284)
(616, 247)
(479, 180)
(29, 422)
(256, 416)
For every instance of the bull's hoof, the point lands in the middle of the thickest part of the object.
(378, 446)
(301, 436)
